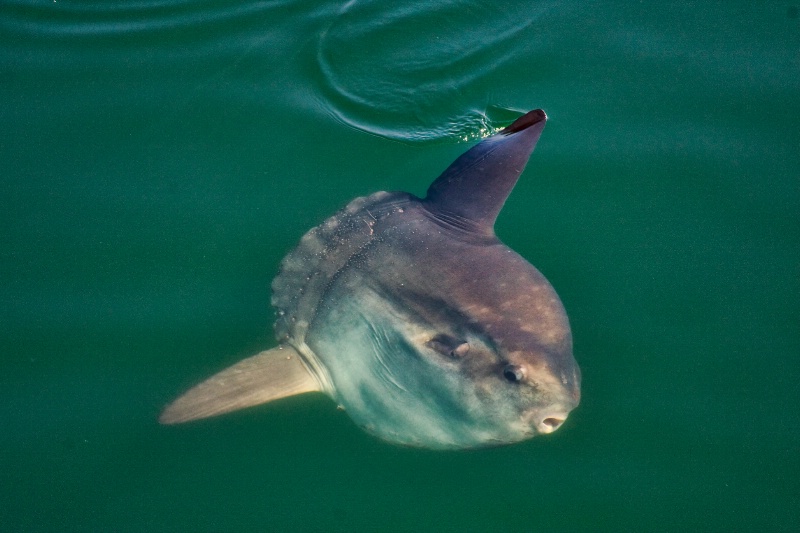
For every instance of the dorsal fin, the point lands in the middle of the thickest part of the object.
(270, 375)
(475, 187)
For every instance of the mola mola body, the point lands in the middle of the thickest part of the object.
(414, 317)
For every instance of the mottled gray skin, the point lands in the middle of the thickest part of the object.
(415, 318)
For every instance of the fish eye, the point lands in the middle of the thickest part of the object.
(449, 345)
(513, 373)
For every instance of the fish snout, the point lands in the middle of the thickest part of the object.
(550, 421)
(560, 395)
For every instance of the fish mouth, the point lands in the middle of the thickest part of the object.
(551, 422)
(547, 420)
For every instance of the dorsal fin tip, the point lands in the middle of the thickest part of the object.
(525, 121)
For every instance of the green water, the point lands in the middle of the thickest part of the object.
(158, 159)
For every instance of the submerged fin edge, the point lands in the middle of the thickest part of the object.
(267, 376)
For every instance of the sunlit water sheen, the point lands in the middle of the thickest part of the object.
(159, 158)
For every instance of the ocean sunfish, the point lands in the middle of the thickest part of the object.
(415, 319)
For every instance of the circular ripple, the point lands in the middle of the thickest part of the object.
(420, 72)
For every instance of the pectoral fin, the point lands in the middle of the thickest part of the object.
(268, 376)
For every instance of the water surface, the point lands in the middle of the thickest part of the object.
(159, 158)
